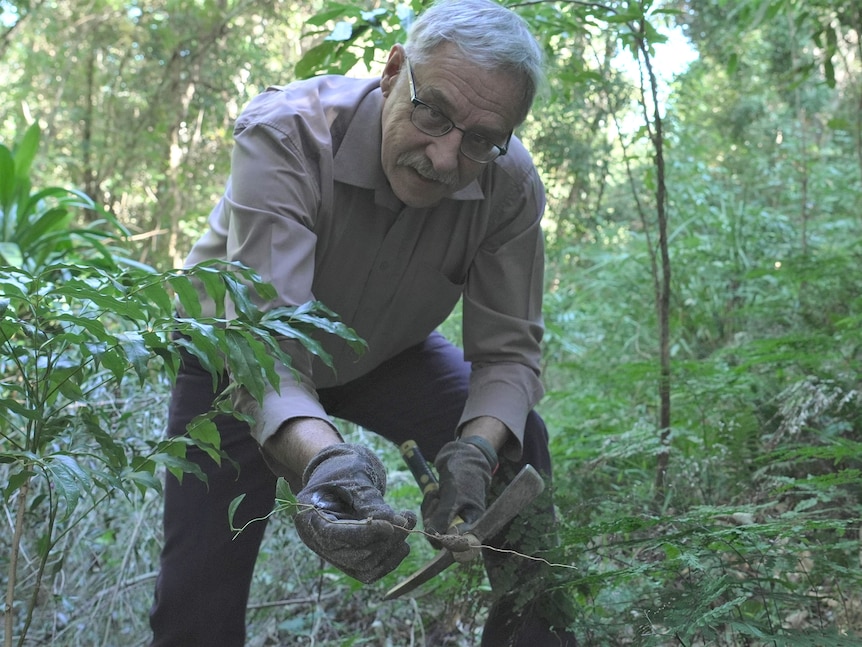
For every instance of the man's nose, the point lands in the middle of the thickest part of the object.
(444, 151)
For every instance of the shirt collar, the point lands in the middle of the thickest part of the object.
(357, 161)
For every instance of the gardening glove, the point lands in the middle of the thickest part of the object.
(343, 517)
(465, 467)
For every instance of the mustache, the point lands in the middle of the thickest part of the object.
(422, 165)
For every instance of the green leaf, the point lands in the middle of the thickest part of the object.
(732, 64)
(44, 543)
(15, 283)
(7, 185)
(179, 466)
(155, 294)
(283, 491)
(132, 264)
(285, 499)
(11, 254)
(18, 408)
(112, 449)
(239, 294)
(114, 360)
(653, 36)
(243, 362)
(265, 353)
(66, 384)
(15, 481)
(37, 230)
(204, 342)
(144, 480)
(210, 277)
(25, 152)
(143, 464)
(314, 59)
(67, 197)
(187, 294)
(285, 329)
(136, 352)
(326, 320)
(68, 479)
(332, 11)
(829, 72)
(204, 430)
(839, 123)
(89, 321)
(231, 511)
(264, 291)
(83, 291)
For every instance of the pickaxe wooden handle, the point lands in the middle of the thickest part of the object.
(421, 470)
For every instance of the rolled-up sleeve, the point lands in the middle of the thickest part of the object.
(503, 324)
(272, 200)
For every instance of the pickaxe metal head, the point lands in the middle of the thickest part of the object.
(520, 493)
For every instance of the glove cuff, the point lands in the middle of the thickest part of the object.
(486, 448)
(372, 467)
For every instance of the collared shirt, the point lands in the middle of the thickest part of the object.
(308, 206)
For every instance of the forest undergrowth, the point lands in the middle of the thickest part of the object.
(741, 551)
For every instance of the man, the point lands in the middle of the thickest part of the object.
(387, 200)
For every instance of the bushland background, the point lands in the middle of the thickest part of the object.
(703, 162)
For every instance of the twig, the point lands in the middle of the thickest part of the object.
(292, 601)
(531, 557)
(454, 540)
(419, 622)
(116, 588)
(13, 562)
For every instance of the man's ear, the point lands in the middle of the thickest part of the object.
(393, 66)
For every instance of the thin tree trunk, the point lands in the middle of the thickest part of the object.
(88, 173)
(9, 610)
(663, 280)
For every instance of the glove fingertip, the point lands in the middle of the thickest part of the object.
(407, 519)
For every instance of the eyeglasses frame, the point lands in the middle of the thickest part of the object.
(418, 102)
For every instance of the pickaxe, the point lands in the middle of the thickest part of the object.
(522, 490)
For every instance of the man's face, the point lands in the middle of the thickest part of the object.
(423, 169)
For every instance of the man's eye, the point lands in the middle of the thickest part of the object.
(436, 115)
(478, 140)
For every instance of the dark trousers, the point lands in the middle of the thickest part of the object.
(203, 585)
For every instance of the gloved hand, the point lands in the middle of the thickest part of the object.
(343, 517)
(465, 468)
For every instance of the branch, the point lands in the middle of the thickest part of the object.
(9, 611)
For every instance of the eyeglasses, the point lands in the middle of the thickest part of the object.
(432, 122)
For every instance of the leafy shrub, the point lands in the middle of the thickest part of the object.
(77, 322)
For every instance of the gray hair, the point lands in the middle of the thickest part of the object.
(488, 34)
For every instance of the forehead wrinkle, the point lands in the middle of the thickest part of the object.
(434, 96)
